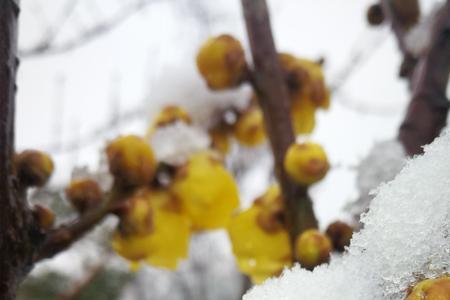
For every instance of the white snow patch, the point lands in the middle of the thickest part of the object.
(174, 144)
(181, 84)
(406, 237)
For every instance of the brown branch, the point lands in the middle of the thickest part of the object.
(428, 75)
(16, 223)
(428, 109)
(61, 238)
(273, 95)
(395, 11)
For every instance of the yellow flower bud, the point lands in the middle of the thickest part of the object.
(207, 191)
(249, 129)
(259, 239)
(168, 115)
(340, 235)
(84, 194)
(34, 168)
(431, 289)
(221, 62)
(131, 161)
(305, 80)
(44, 216)
(154, 230)
(306, 163)
(312, 249)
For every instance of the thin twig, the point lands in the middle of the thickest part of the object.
(47, 47)
(68, 233)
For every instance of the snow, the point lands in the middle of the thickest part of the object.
(181, 84)
(174, 144)
(405, 238)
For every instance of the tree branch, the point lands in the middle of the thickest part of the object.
(428, 109)
(66, 234)
(393, 10)
(16, 224)
(274, 100)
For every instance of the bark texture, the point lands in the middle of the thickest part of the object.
(16, 223)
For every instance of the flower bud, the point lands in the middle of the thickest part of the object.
(153, 230)
(169, 115)
(431, 289)
(221, 62)
(375, 15)
(312, 249)
(340, 235)
(259, 238)
(306, 163)
(131, 161)
(44, 216)
(249, 129)
(295, 74)
(34, 168)
(84, 194)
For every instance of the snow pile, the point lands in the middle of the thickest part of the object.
(384, 161)
(174, 144)
(406, 237)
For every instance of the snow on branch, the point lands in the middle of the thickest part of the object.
(406, 237)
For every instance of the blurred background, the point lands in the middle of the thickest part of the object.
(93, 69)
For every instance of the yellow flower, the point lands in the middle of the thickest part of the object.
(249, 129)
(207, 191)
(303, 114)
(306, 163)
(312, 249)
(131, 161)
(154, 230)
(221, 62)
(431, 289)
(33, 168)
(259, 240)
(168, 115)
